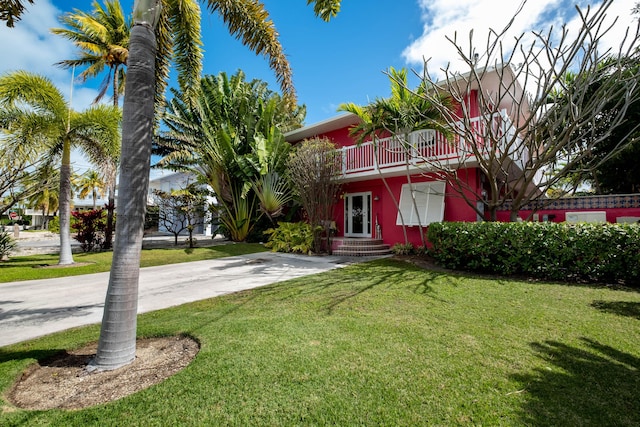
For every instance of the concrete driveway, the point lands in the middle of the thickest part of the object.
(39, 307)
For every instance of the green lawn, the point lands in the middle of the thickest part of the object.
(28, 267)
(381, 343)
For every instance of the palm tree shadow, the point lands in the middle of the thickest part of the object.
(337, 287)
(621, 308)
(596, 385)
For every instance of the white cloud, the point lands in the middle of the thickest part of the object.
(442, 19)
(32, 47)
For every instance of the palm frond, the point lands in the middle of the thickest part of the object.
(249, 22)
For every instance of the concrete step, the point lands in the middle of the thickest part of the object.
(350, 252)
(360, 247)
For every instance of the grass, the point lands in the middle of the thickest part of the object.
(381, 343)
(27, 267)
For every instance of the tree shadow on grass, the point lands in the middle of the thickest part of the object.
(9, 355)
(597, 385)
(336, 287)
(621, 308)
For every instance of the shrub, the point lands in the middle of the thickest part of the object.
(54, 225)
(296, 237)
(89, 227)
(7, 245)
(575, 252)
(402, 249)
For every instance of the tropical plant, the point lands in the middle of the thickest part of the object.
(103, 40)
(25, 170)
(92, 183)
(231, 136)
(46, 200)
(7, 245)
(403, 249)
(42, 114)
(179, 23)
(89, 227)
(292, 237)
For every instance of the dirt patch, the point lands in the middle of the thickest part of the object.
(62, 381)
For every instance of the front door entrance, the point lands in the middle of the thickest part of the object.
(357, 215)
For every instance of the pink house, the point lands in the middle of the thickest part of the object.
(366, 214)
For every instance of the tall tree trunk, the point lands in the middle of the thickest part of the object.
(115, 85)
(117, 344)
(111, 201)
(111, 204)
(66, 257)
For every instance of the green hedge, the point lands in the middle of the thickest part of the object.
(571, 252)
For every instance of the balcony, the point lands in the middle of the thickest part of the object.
(430, 150)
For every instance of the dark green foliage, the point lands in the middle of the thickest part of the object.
(296, 237)
(89, 227)
(569, 252)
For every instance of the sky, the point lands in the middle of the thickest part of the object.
(336, 62)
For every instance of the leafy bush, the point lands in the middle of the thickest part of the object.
(54, 224)
(575, 252)
(7, 244)
(402, 249)
(296, 237)
(89, 227)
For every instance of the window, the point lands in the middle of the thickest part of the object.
(429, 197)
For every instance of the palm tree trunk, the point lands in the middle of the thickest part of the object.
(66, 257)
(117, 344)
(111, 204)
(115, 85)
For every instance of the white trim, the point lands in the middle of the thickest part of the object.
(429, 197)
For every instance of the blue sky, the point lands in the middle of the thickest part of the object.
(340, 61)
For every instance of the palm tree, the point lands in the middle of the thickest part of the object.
(46, 199)
(247, 20)
(405, 111)
(91, 183)
(12, 10)
(24, 169)
(103, 39)
(43, 113)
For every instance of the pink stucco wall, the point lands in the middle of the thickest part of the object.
(384, 209)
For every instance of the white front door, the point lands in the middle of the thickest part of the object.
(357, 215)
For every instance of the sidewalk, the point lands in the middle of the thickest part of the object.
(34, 308)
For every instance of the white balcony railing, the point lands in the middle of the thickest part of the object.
(429, 146)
